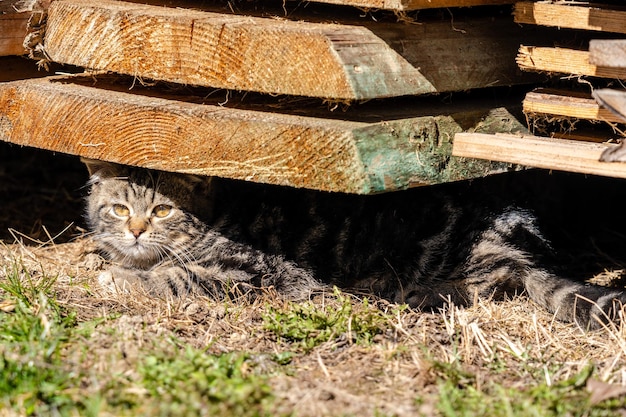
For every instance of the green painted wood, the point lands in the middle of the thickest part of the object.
(108, 122)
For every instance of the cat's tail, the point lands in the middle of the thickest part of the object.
(513, 256)
(590, 306)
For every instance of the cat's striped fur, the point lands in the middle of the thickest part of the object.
(184, 234)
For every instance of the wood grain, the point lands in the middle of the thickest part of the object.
(563, 60)
(540, 152)
(406, 5)
(566, 104)
(336, 61)
(334, 155)
(13, 30)
(571, 15)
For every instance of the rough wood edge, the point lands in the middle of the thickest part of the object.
(567, 104)
(564, 61)
(570, 15)
(540, 152)
(408, 5)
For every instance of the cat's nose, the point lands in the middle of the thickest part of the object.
(137, 232)
(137, 226)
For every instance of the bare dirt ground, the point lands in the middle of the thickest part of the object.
(401, 372)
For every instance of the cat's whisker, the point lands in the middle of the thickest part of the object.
(183, 254)
(183, 257)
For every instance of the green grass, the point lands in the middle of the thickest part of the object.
(460, 395)
(309, 324)
(42, 347)
(193, 382)
(33, 331)
(53, 364)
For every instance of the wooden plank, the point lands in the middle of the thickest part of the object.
(406, 5)
(337, 61)
(567, 104)
(608, 53)
(573, 15)
(563, 60)
(13, 30)
(58, 114)
(612, 100)
(22, 6)
(14, 17)
(540, 152)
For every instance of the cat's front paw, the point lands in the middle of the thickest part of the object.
(105, 279)
(118, 280)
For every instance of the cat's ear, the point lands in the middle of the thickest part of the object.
(193, 184)
(199, 192)
(99, 170)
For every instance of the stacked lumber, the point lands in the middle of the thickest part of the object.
(611, 53)
(326, 98)
(364, 98)
(577, 120)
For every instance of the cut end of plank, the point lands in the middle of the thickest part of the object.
(566, 104)
(563, 61)
(227, 51)
(571, 15)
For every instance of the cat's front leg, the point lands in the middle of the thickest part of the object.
(119, 280)
(229, 274)
(258, 271)
(165, 280)
(174, 281)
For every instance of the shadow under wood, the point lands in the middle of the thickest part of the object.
(41, 195)
(369, 111)
(21, 68)
(581, 215)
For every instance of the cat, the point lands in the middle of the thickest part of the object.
(174, 235)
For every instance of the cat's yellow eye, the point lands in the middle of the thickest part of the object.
(121, 210)
(162, 210)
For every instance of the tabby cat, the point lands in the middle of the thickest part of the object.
(176, 235)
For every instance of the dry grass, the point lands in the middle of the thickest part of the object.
(511, 344)
(495, 354)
